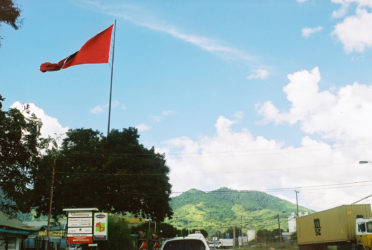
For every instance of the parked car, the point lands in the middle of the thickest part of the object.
(190, 242)
(214, 244)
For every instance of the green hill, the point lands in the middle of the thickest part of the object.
(224, 208)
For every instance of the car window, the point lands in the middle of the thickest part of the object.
(184, 245)
(361, 227)
(369, 227)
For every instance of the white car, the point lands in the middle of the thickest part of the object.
(190, 242)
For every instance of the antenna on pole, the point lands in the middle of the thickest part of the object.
(112, 74)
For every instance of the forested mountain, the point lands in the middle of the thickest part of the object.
(223, 208)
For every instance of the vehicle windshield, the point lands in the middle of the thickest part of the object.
(184, 245)
(369, 227)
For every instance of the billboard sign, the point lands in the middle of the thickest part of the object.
(80, 227)
(100, 226)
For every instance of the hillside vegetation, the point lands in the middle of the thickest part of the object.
(221, 209)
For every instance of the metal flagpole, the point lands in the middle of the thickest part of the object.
(112, 74)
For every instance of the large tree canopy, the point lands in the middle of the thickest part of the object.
(114, 174)
(9, 13)
(19, 156)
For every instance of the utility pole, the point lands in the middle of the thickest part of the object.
(241, 230)
(234, 235)
(280, 233)
(297, 201)
(51, 198)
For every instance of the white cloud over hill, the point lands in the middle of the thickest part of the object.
(337, 136)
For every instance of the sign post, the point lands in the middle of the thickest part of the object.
(80, 225)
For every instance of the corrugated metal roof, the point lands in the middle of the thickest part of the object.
(9, 222)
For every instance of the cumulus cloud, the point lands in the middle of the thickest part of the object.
(239, 160)
(340, 116)
(258, 74)
(355, 31)
(306, 32)
(51, 127)
(324, 166)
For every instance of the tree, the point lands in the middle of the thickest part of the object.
(115, 174)
(20, 144)
(9, 13)
(118, 235)
(264, 235)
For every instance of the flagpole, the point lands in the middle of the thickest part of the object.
(112, 74)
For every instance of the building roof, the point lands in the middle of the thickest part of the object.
(13, 223)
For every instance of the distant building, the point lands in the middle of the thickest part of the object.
(251, 234)
(13, 232)
(292, 221)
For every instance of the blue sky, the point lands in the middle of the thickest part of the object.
(258, 95)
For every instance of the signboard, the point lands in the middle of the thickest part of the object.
(79, 222)
(80, 227)
(79, 230)
(52, 234)
(80, 239)
(100, 226)
(79, 214)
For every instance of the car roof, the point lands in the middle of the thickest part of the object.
(189, 237)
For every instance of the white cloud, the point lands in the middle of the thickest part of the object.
(101, 108)
(51, 127)
(345, 5)
(343, 116)
(143, 127)
(355, 31)
(259, 74)
(238, 159)
(147, 20)
(301, 1)
(97, 109)
(306, 32)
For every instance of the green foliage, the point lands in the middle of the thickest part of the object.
(118, 235)
(9, 13)
(116, 174)
(223, 208)
(19, 156)
(264, 235)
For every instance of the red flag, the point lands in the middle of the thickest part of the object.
(96, 50)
